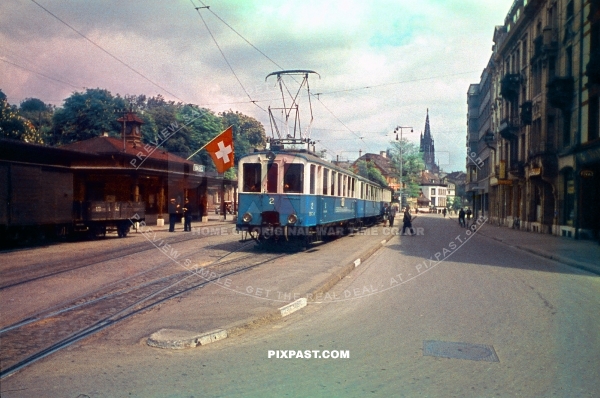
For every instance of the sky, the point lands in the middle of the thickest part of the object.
(380, 63)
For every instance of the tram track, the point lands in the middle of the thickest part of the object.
(37, 337)
(31, 273)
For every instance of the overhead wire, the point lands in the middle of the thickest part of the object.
(106, 51)
(39, 73)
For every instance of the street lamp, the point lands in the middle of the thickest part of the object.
(396, 131)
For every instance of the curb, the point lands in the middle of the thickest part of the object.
(556, 257)
(181, 339)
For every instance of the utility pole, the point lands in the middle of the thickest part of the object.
(401, 176)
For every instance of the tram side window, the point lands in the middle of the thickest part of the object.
(340, 186)
(325, 181)
(332, 193)
(293, 178)
(313, 177)
(272, 172)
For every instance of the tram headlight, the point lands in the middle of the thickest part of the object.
(292, 219)
(247, 217)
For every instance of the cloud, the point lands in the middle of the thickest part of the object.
(411, 55)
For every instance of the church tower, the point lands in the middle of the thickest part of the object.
(427, 147)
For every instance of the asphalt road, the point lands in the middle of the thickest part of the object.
(540, 317)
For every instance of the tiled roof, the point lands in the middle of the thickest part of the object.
(112, 145)
(381, 162)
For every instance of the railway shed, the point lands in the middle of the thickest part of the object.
(52, 187)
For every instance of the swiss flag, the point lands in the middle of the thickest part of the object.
(221, 150)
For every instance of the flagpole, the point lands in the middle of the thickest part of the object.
(208, 143)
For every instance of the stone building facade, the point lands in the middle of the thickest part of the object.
(533, 122)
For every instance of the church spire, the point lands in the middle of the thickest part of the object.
(427, 147)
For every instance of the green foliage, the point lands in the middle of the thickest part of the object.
(14, 126)
(87, 115)
(40, 116)
(412, 165)
(179, 128)
(248, 133)
(369, 171)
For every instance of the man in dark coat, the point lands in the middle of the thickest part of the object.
(407, 221)
(187, 216)
(461, 217)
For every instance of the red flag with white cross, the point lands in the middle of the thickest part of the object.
(221, 150)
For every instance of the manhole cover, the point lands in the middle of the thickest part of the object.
(448, 349)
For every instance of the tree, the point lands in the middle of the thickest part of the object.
(248, 133)
(369, 171)
(412, 165)
(40, 116)
(89, 114)
(14, 126)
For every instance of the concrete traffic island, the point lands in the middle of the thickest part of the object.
(180, 339)
(313, 289)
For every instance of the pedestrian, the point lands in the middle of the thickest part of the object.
(187, 216)
(407, 221)
(461, 218)
(173, 210)
(468, 216)
(393, 211)
(385, 212)
(444, 212)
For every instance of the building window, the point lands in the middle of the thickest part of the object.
(433, 191)
(569, 61)
(594, 119)
(567, 130)
(569, 192)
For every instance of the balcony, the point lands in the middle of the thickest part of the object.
(545, 45)
(592, 69)
(509, 86)
(509, 128)
(560, 92)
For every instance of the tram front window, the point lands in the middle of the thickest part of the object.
(251, 177)
(293, 178)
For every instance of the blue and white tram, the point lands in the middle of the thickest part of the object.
(294, 195)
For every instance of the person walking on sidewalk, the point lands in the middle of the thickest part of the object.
(461, 218)
(385, 212)
(468, 217)
(444, 212)
(393, 211)
(407, 221)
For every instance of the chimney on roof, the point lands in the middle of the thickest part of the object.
(359, 153)
(383, 154)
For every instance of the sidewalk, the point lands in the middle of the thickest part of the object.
(233, 304)
(213, 219)
(582, 254)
